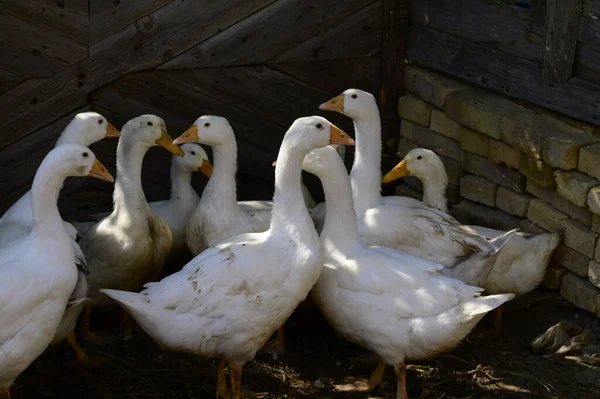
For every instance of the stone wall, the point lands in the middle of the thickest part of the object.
(512, 164)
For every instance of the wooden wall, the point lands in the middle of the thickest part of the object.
(544, 51)
(259, 63)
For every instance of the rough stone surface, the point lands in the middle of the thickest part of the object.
(593, 200)
(594, 273)
(580, 237)
(531, 228)
(468, 212)
(474, 142)
(405, 145)
(481, 111)
(453, 194)
(580, 292)
(554, 276)
(574, 186)
(589, 160)
(545, 215)
(512, 202)
(596, 223)
(537, 171)
(478, 189)
(572, 260)
(499, 174)
(551, 196)
(427, 138)
(597, 254)
(414, 109)
(443, 125)
(404, 190)
(454, 170)
(430, 86)
(501, 152)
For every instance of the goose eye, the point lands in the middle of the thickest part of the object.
(319, 126)
(206, 124)
(419, 157)
(149, 123)
(193, 153)
(354, 96)
(85, 155)
(101, 121)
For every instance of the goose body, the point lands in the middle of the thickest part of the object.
(232, 297)
(38, 272)
(393, 303)
(521, 264)
(403, 223)
(128, 247)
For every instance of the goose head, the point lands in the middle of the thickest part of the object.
(320, 160)
(208, 129)
(151, 131)
(312, 132)
(355, 103)
(194, 160)
(87, 128)
(421, 163)
(75, 160)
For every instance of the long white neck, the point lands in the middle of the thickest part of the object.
(289, 210)
(340, 231)
(45, 190)
(365, 177)
(221, 187)
(181, 185)
(434, 191)
(72, 135)
(128, 197)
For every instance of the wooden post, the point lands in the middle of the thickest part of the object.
(562, 29)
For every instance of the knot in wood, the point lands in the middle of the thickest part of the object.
(145, 24)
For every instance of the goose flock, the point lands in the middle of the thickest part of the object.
(395, 275)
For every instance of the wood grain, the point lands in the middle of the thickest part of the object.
(562, 28)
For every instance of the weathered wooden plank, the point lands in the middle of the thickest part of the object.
(260, 37)
(140, 46)
(507, 74)
(29, 64)
(39, 39)
(587, 63)
(562, 28)
(498, 26)
(393, 50)
(67, 18)
(8, 80)
(109, 16)
(590, 31)
(358, 35)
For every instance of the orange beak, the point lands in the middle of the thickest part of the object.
(335, 104)
(206, 168)
(338, 136)
(99, 172)
(166, 142)
(189, 136)
(397, 172)
(112, 131)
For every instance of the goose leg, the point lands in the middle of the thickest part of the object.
(498, 321)
(91, 335)
(377, 376)
(400, 370)
(5, 393)
(82, 357)
(222, 390)
(235, 377)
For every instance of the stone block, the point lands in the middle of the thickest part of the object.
(537, 171)
(594, 273)
(572, 260)
(551, 196)
(580, 237)
(405, 145)
(597, 254)
(430, 86)
(481, 111)
(589, 160)
(501, 152)
(478, 189)
(441, 124)
(554, 276)
(593, 200)
(499, 174)
(596, 223)
(475, 143)
(453, 194)
(545, 215)
(513, 202)
(574, 186)
(414, 109)
(580, 292)
(472, 213)
(531, 228)
(404, 190)
(427, 138)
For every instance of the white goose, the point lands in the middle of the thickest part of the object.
(403, 223)
(38, 272)
(522, 263)
(390, 302)
(231, 298)
(128, 248)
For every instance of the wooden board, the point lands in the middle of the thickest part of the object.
(504, 73)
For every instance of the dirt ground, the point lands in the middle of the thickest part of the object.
(317, 361)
